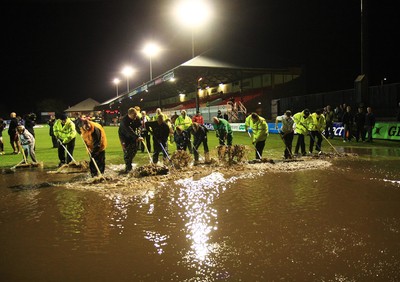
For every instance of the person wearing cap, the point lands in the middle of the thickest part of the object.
(95, 139)
(286, 131)
(223, 131)
(65, 132)
(316, 127)
(27, 141)
(302, 121)
(219, 114)
(129, 136)
(198, 118)
(185, 122)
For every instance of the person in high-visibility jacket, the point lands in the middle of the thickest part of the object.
(260, 133)
(185, 122)
(316, 128)
(95, 139)
(248, 124)
(65, 132)
(302, 121)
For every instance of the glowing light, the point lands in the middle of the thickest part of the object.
(193, 13)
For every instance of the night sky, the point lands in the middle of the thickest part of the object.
(71, 50)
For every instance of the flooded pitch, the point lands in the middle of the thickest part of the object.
(328, 219)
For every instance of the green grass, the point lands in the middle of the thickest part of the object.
(273, 148)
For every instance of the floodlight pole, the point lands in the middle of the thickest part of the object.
(197, 94)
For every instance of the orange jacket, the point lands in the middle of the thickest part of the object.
(94, 138)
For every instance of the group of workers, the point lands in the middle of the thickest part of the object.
(302, 123)
(136, 129)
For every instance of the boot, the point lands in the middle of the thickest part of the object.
(207, 158)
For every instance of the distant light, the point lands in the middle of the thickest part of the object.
(127, 71)
(182, 95)
(259, 103)
(141, 99)
(172, 79)
(151, 49)
(116, 81)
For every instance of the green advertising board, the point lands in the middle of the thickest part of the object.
(386, 130)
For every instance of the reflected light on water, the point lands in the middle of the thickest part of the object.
(120, 214)
(196, 198)
(159, 240)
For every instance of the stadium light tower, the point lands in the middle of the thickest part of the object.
(151, 50)
(193, 14)
(127, 72)
(116, 81)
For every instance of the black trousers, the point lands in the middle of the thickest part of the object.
(315, 136)
(100, 159)
(288, 139)
(158, 149)
(130, 150)
(300, 144)
(259, 149)
(63, 155)
(196, 148)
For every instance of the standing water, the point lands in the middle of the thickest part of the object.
(335, 220)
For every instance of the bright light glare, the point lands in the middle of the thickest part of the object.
(151, 49)
(116, 81)
(193, 12)
(127, 71)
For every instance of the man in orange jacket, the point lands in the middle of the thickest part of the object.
(96, 142)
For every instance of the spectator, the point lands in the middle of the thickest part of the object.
(369, 123)
(329, 117)
(348, 121)
(359, 120)
(12, 132)
(198, 118)
(51, 122)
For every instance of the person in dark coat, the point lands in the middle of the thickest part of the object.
(199, 132)
(12, 132)
(30, 122)
(160, 131)
(369, 123)
(129, 137)
(359, 120)
(347, 120)
(51, 122)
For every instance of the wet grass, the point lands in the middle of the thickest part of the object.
(273, 149)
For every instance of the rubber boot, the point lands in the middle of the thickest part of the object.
(207, 158)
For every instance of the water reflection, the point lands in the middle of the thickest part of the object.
(196, 198)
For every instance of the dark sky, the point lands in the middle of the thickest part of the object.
(71, 50)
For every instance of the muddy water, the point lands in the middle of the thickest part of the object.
(335, 220)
